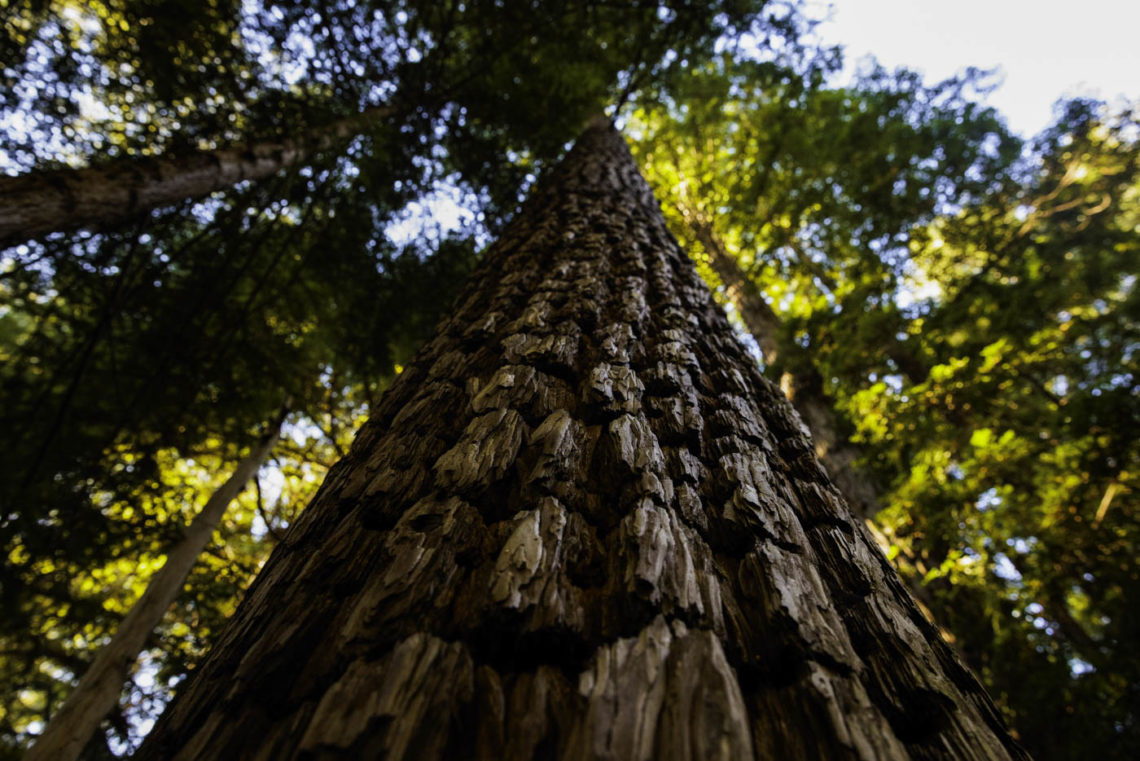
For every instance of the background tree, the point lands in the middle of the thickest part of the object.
(72, 727)
(155, 394)
(1015, 482)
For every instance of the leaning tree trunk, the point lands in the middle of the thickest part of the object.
(72, 726)
(580, 525)
(63, 199)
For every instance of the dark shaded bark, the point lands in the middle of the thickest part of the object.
(65, 199)
(581, 525)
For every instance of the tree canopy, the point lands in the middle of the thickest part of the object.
(963, 300)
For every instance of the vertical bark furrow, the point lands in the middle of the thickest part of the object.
(580, 525)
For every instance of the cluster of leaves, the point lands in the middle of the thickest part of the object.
(139, 360)
(969, 305)
(817, 188)
(1017, 451)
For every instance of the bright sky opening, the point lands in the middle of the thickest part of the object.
(1045, 48)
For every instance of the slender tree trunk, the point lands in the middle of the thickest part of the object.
(580, 525)
(63, 199)
(98, 691)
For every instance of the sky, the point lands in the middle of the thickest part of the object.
(1045, 48)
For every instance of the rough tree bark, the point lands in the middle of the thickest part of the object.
(72, 726)
(804, 390)
(63, 199)
(580, 525)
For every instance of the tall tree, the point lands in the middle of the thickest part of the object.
(581, 525)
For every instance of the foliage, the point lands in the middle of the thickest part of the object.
(1022, 439)
(817, 189)
(134, 372)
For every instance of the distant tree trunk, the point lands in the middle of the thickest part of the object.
(63, 199)
(72, 726)
(580, 525)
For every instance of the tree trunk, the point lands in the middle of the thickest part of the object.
(72, 726)
(804, 389)
(62, 199)
(580, 525)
